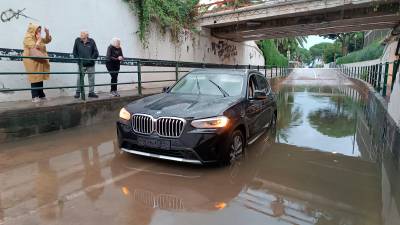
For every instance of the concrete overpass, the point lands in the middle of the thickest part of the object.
(285, 18)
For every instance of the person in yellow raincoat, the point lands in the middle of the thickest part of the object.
(34, 44)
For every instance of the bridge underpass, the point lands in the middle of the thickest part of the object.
(277, 19)
(319, 166)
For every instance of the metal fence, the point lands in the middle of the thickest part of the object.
(137, 66)
(377, 75)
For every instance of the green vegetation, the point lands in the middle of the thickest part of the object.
(173, 15)
(326, 51)
(271, 54)
(289, 44)
(318, 49)
(303, 55)
(349, 42)
(373, 51)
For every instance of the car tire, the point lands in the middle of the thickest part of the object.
(234, 148)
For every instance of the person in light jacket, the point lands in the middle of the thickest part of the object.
(34, 42)
(114, 58)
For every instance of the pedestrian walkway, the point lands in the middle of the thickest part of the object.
(67, 100)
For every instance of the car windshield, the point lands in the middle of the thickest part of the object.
(210, 84)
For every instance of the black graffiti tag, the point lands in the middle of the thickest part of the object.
(8, 15)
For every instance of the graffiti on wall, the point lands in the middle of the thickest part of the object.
(10, 14)
(223, 49)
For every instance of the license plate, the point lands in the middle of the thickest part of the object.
(154, 143)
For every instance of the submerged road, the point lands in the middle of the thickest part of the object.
(313, 169)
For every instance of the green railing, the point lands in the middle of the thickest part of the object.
(376, 75)
(137, 66)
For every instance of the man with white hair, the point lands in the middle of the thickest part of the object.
(86, 48)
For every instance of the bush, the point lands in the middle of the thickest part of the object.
(173, 15)
(271, 54)
(371, 52)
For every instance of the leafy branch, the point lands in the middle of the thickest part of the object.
(172, 15)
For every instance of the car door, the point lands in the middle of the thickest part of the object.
(253, 107)
(267, 104)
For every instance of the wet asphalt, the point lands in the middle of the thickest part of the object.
(311, 169)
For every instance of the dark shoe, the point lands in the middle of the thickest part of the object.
(93, 95)
(77, 95)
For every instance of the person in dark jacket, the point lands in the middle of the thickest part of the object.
(114, 58)
(86, 48)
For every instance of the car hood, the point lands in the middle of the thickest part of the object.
(183, 106)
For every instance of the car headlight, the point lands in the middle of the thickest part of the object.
(124, 114)
(214, 122)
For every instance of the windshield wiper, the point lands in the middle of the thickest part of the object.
(198, 85)
(220, 88)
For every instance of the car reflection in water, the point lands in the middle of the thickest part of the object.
(273, 183)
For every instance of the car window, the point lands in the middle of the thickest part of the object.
(263, 84)
(209, 84)
(252, 86)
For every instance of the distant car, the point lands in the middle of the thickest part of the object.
(208, 116)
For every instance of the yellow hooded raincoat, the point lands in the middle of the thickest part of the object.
(32, 66)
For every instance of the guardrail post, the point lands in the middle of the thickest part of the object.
(276, 71)
(258, 68)
(371, 77)
(365, 74)
(265, 71)
(139, 77)
(271, 71)
(81, 80)
(352, 72)
(385, 78)
(379, 77)
(394, 74)
(376, 67)
(177, 71)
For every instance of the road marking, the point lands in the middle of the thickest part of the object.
(315, 74)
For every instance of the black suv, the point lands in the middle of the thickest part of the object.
(208, 116)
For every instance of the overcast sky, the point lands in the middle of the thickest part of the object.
(315, 39)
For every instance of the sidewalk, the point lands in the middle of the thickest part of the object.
(68, 100)
(23, 119)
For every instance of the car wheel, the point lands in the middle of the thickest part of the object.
(235, 148)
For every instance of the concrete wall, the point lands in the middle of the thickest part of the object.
(106, 19)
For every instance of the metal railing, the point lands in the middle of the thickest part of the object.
(376, 75)
(137, 71)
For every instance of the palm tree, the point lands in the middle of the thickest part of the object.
(290, 43)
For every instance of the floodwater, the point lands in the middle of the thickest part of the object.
(313, 169)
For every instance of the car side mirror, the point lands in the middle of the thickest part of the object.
(259, 95)
(165, 89)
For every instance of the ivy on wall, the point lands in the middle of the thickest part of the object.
(171, 15)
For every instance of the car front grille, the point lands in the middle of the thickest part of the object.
(143, 124)
(163, 126)
(169, 127)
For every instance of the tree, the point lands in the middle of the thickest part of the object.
(318, 49)
(303, 55)
(271, 54)
(331, 52)
(290, 43)
(347, 40)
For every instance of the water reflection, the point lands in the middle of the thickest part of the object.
(322, 118)
(46, 189)
(289, 176)
(92, 172)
